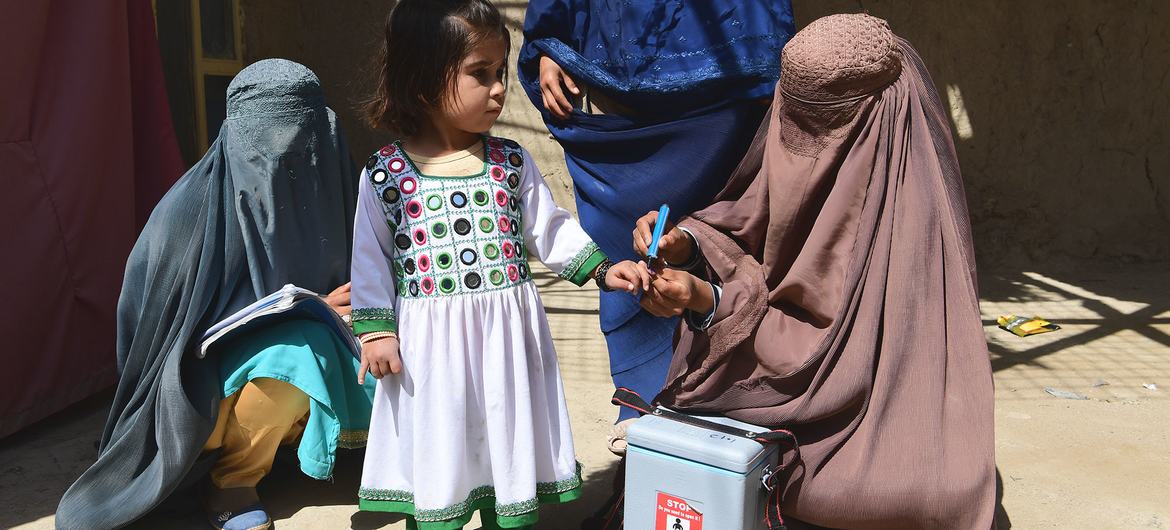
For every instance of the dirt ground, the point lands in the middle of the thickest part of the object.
(1098, 462)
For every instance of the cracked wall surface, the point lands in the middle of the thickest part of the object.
(1061, 109)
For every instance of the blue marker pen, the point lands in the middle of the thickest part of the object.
(659, 225)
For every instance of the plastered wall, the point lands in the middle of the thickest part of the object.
(1061, 109)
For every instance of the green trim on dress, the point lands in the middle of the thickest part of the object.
(371, 319)
(512, 515)
(582, 265)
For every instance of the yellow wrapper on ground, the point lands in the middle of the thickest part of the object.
(1024, 326)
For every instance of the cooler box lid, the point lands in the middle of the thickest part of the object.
(690, 442)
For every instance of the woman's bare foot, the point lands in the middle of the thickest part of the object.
(617, 437)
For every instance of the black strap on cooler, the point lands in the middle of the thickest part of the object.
(624, 397)
(772, 518)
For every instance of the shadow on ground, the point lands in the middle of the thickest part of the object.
(1116, 333)
(1090, 305)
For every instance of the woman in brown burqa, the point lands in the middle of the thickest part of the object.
(842, 298)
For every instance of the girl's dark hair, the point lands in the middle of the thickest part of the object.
(426, 41)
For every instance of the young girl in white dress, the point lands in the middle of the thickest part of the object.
(469, 412)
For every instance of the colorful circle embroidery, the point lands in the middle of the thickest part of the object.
(413, 288)
(491, 251)
(414, 208)
(495, 143)
(496, 155)
(496, 277)
(486, 225)
(502, 198)
(513, 180)
(388, 150)
(508, 250)
(408, 265)
(428, 285)
(379, 176)
(439, 230)
(511, 144)
(444, 260)
(390, 195)
(424, 263)
(420, 236)
(472, 280)
(523, 270)
(468, 256)
(371, 162)
(516, 160)
(396, 165)
(498, 173)
(447, 285)
(408, 185)
(398, 273)
(505, 226)
(459, 199)
(434, 202)
(480, 197)
(514, 204)
(462, 226)
(512, 273)
(402, 241)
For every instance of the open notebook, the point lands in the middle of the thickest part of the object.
(290, 302)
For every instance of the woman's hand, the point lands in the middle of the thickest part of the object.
(380, 358)
(551, 79)
(628, 276)
(339, 300)
(672, 292)
(674, 247)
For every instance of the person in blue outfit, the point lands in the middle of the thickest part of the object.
(653, 102)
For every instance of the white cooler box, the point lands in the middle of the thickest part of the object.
(681, 476)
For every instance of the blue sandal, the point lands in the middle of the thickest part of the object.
(250, 518)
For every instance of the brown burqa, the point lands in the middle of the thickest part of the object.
(849, 312)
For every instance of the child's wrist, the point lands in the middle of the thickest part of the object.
(600, 273)
(365, 338)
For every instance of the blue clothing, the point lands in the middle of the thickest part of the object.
(657, 55)
(309, 356)
(643, 372)
(694, 70)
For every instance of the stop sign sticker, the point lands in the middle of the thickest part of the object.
(674, 513)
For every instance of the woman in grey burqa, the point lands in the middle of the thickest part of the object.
(271, 203)
(831, 291)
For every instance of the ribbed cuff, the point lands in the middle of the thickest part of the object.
(578, 269)
(370, 319)
(696, 260)
(693, 319)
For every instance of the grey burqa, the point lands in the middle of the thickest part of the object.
(272, 202)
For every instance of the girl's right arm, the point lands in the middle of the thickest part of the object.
(373, 284)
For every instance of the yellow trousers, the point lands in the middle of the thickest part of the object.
(252, 424)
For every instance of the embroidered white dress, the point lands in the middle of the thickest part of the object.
(477, 418)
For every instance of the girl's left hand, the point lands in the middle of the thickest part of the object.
(628, 276)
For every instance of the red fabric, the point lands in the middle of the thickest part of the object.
(86, 149)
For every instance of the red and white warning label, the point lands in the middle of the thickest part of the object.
(674, 513)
